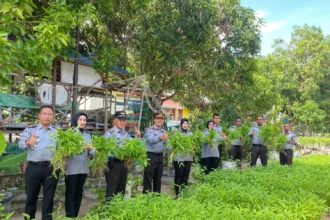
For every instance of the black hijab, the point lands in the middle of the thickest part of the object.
(74, 121)
(208, 123)
(181, 123)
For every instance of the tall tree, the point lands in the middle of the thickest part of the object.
(32, 34)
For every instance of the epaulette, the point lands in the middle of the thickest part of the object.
(32, 126)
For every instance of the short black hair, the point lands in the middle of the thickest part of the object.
(238, 118)
(46, 106)
(215, 114)
(159, 113)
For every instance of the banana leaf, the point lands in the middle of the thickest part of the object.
(12, 160)
(2, 142)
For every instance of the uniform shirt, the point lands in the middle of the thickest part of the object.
(153, 143)
(119, 134)
(236, 141)
(255, 138)
(43, 149)
(217, 127)
(79, 164)
(184, 156)
(291, 137)
(211, 151)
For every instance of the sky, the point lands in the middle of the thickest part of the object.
(281, 15)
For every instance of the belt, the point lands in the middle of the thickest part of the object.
(257, 145)
(115, 159)
(158, 154)
(237, 146)
(40, 163)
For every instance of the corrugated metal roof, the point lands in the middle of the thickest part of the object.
(22, 101)
(88, 61)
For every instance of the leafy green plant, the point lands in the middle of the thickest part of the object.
(103, 147)
(272, 136)
(68, 143)
(180, 143)
(314, 140)
(132, 149)
(9, 162)
(3, 143)
(4, 216)
(301, 191)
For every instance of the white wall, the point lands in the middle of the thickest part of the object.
(87, 75)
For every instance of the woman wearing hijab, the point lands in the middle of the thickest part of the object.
(77, 169)
(210, 153)
(182, 163)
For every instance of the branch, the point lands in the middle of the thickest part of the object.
(169, 97)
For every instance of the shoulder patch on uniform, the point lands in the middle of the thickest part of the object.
(111, 130)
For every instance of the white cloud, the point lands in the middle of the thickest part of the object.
(260, 13)
(269, 27)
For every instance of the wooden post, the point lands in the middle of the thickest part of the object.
(54, 86)
(75, 74)
(106, 101)
(110, 101)
(141, 108)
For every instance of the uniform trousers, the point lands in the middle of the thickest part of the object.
(153, 173)
(39, 174)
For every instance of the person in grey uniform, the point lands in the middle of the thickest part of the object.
(77, 169)
(236, 149)
(258, 148)
(216, 122)
(286, 153)
(116, 174)
(182, 163)
(210, 153)
(156, 138)
(39, 142)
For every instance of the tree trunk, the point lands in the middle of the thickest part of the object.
(75, 75)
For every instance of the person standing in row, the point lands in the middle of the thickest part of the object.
(258, 147)
(286, 153)
(77, 169)
(236, 149)
(38, 141)
(116, 174)
(156, 138)
(210, 152)
(216, 122)
(182, 163)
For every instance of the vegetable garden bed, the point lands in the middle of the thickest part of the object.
(275, 192)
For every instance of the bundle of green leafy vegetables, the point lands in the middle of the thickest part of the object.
(272, 136)
(132, 149)
(102, 148)
(181, 143)
(68, 143)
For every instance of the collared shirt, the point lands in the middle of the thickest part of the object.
(236, 141)
(217, 127)
(153, 143)
(255, 138)
(79, 163)
(119, 134)
(43, 149)
(208, 150)
(291, 137)
(184, 156)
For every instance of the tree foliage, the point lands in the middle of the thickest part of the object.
(297, 75)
